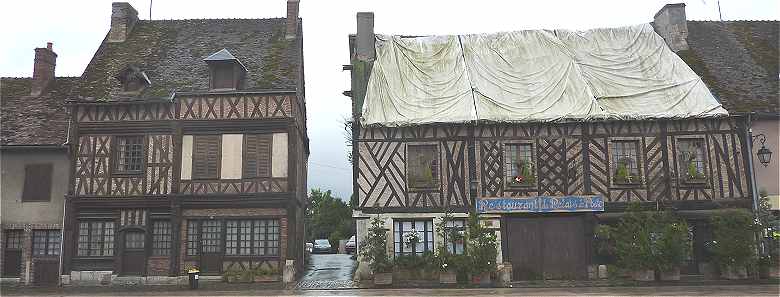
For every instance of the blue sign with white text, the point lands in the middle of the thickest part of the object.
(541, 204)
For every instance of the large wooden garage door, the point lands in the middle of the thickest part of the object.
(549, 247)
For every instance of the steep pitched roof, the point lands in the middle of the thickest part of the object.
(34, 120)
(738, 60)
(172, 52)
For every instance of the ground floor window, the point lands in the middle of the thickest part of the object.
(161, 238)
(13, 239)
(412, 237)
(244, 237)
(96, 239)
(46, 242)
(454, 236)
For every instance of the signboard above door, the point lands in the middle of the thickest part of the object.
(540, 204)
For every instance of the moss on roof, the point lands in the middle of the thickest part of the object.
(34, 120)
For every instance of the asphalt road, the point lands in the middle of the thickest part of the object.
(330, 267)
(729, 290)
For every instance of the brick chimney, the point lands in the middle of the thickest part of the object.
(123, 18)
(292, 19)
(670, 23)
(43, 70)
(364, 41)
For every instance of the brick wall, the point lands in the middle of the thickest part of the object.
(158, 266)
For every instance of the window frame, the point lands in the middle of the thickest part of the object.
(683, 167)
(117, 158)
(258, 172)
(450, 226)
(613, 161)
(428, 239)
(50, 247)
(18, 240)
(508, 178)
(194, 242)
(162, 238)
(30, 188)
(107, 248)
(435, 183)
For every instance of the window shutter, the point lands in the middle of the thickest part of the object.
(206, 157)
(257, 161)
(37, 182)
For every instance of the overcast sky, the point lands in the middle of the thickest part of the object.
(77, 27)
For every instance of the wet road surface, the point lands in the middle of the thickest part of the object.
(329, 271)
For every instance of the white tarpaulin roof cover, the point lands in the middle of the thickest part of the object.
(532, 76)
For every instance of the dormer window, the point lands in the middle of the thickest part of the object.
(133, 79)
(227, 72)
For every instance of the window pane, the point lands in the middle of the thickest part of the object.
(692, 164)
(129, 157)
(53, 244)
(245, 237)
(422, 166)
(625, 160)
(519, 165)
(161, 238)
(211, 236)
(231, 238)
(192, 237)
(108, 238)
(39, 242)
(83, 245)
(13, 239)
(134, 240)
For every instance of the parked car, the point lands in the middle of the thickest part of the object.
(321, 246)
(351, 245)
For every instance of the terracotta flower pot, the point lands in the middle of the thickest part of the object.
(671, 274)
(483, 280)
(448, 277)
(383, 279)
(646, 275)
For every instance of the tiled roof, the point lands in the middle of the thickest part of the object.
(34, 120)
(171, 53)
(738, 60)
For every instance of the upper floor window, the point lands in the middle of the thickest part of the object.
(129, 154)
(206, 156)
(257, 155)
(422, 166)
(519, 164)
(226, 71)
(37, 182)
(625, 162)
(692, 159)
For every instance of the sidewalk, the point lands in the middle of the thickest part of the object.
(706, 290)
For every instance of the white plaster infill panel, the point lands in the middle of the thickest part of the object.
(186, 157)
(232, 146)
(279, 155)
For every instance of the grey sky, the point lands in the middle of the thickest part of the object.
(78, 27)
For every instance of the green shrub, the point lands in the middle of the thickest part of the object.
(482, 249)
(373, 248)
(734, 242)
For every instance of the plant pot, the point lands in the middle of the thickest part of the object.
(383, 279)
(266, 278)
(671, 274)
(646, 275)
(482, 280)
(448, 277)
(734, 272)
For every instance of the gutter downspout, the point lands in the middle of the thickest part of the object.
(749, 143)
(64, 208)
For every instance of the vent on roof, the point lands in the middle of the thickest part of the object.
(133, 79)
(227, 72)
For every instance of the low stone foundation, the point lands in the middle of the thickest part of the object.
(106, 278)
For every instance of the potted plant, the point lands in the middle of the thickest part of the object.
(525, 175)
(633, 238)
(671, 246)
(693, 174)
(445, 265)
(373, 250)
(623, 175)
(482, 251)
(734, 243)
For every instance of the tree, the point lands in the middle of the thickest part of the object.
(328, 217)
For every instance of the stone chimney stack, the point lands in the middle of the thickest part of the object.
(123, 18)
(292, 19)
(43, 70)
(670, 23)
(364, 41)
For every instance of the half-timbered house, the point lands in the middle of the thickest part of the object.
(35, 166)
(461, 124)
(189, 150)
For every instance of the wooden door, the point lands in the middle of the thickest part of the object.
(211, 247)
(549, 247)
(134, 253)
(46, 273)
(12, 258)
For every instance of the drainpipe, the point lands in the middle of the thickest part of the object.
(749, 144)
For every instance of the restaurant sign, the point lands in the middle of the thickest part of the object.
(541, 204)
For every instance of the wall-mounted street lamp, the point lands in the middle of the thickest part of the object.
(764, 154)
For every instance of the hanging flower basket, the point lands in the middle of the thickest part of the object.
(411, 238)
